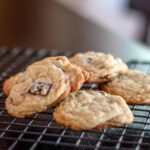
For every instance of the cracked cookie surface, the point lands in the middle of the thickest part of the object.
(133, 86)
(101, 67)
(42, 85)
(86, 110)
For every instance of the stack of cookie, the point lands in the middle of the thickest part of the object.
(42, 85)
(54, 79)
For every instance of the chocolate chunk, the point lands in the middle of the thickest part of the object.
(11, 100)
(63, 70)
(103, 93)
(89, 60)
(40, 88)
(107, 76)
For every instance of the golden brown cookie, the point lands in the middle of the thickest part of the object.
(86, 110)
(9, 83)
(43, 84)
(133, 86)
(101, 67)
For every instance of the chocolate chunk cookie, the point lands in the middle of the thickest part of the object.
(43, 84)
(9, 83)
(134, 87)
(101, 67)
(86, 110)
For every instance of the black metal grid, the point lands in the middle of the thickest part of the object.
(42, 132)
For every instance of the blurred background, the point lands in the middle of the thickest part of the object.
(113, 14)
(72, 23)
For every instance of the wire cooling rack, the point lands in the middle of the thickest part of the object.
(42, 132)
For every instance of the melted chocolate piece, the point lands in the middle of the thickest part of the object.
(103, 93)
(89, 60)
(40, 88)
(107, 76)
(63, 70)
(11, 100)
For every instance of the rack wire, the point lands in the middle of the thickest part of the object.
(42, 132)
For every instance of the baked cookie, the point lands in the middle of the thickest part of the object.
(86, 110)
(43, 84)
(9, 83)
(134, 87)
(101, 67)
